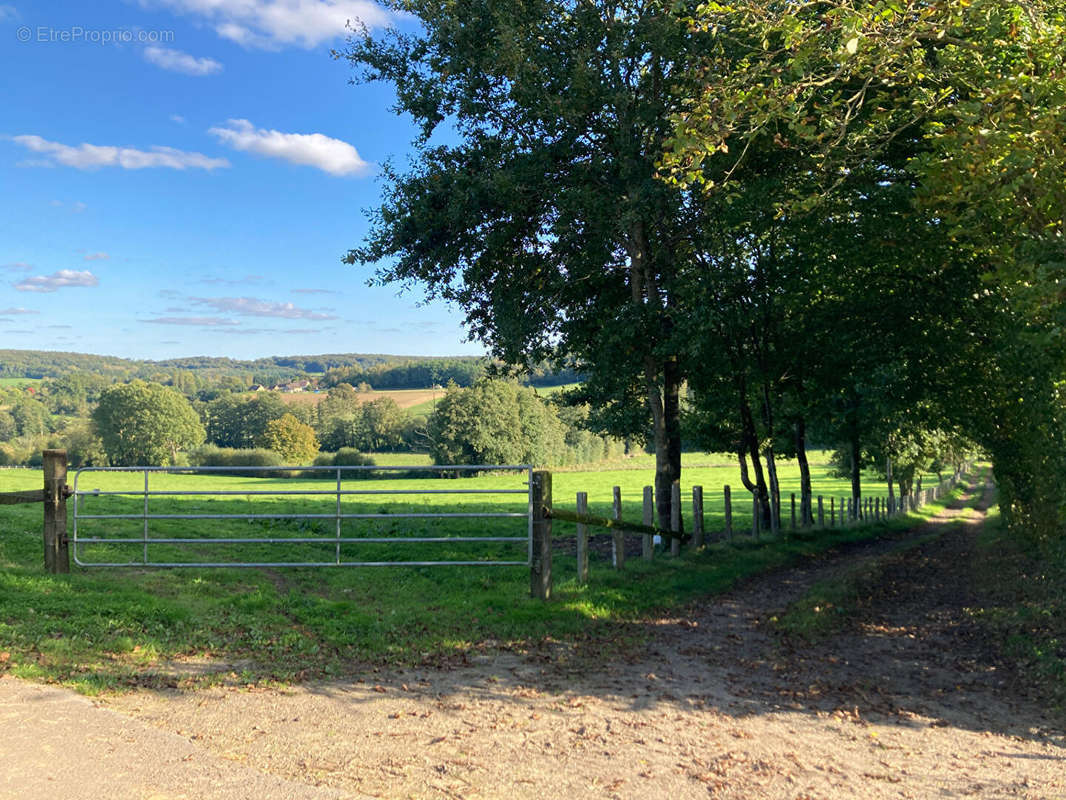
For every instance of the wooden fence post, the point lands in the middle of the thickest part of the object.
(697, 515)
(647, 545)
(821, 512)
(56, 555)
(675, 517)
(728, 512)
(582, 540)
(618, 538)
(793, 526)
(832, 512)
(540, 568)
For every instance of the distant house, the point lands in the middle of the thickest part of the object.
(258, 388)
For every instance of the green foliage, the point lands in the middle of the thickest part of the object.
(210, 455)
(293, 440)
(240, 421)
(382, 424)
(494, 422)
(963, 103)
(344, 457)
(84, 447)
(144, 423)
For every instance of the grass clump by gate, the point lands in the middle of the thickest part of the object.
(105, 629)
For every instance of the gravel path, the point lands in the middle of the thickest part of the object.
(908, 701)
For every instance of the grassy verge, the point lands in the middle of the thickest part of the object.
(1025, 609)
(105, 629)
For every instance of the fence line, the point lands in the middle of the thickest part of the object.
(860, 509)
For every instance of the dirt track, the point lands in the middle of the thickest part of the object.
(907, 702)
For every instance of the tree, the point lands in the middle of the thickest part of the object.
(494, 422)
(145, 424)
(293, 440)
(546, 222)
(240, 420)
(970, 94)
(383, 424)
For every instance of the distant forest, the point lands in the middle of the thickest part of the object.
(331, 369)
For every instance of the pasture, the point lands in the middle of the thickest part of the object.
(106, 628)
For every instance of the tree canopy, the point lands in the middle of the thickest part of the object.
(145, 424)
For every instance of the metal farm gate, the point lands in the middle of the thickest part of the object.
(132, 507)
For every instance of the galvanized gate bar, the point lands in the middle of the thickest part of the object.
(338, 539)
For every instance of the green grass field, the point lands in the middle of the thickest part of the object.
(105, 628)
(7, 383)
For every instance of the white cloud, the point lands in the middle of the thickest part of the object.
(250, 306)
(245, 281)
(17, 266)
(91, 156)
(57, 280)
(209, 322)
(315, 291)
(78, 206)
(97, 257)
(313, 149)
(177, 61)
(178, 118)
(10, 312)
(271, 24)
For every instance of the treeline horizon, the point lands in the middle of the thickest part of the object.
(380, 371)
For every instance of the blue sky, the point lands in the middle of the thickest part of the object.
(182, 177)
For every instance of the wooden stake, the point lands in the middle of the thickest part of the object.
(582, 540)
(540, 568)
(675, 516)
(56, 555)
(728, 512)
(647, 544)
(697, 515)
(618, 538)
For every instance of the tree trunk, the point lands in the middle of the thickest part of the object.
(751, 444)
(771, 462)
(662, 378)
(666, 426)
(775, 489)
(806, 493)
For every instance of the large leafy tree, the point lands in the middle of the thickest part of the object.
(544, 219)
(145, 423)
(291, 439)
(239, 420)
(495, 422)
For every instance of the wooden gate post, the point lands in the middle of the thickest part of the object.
(697, 515)
(647, 544)
(821, 512)
(582, 540)
(618, 538)
(540, 568)
(56, 555)
(728, 512)
(675, 517)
